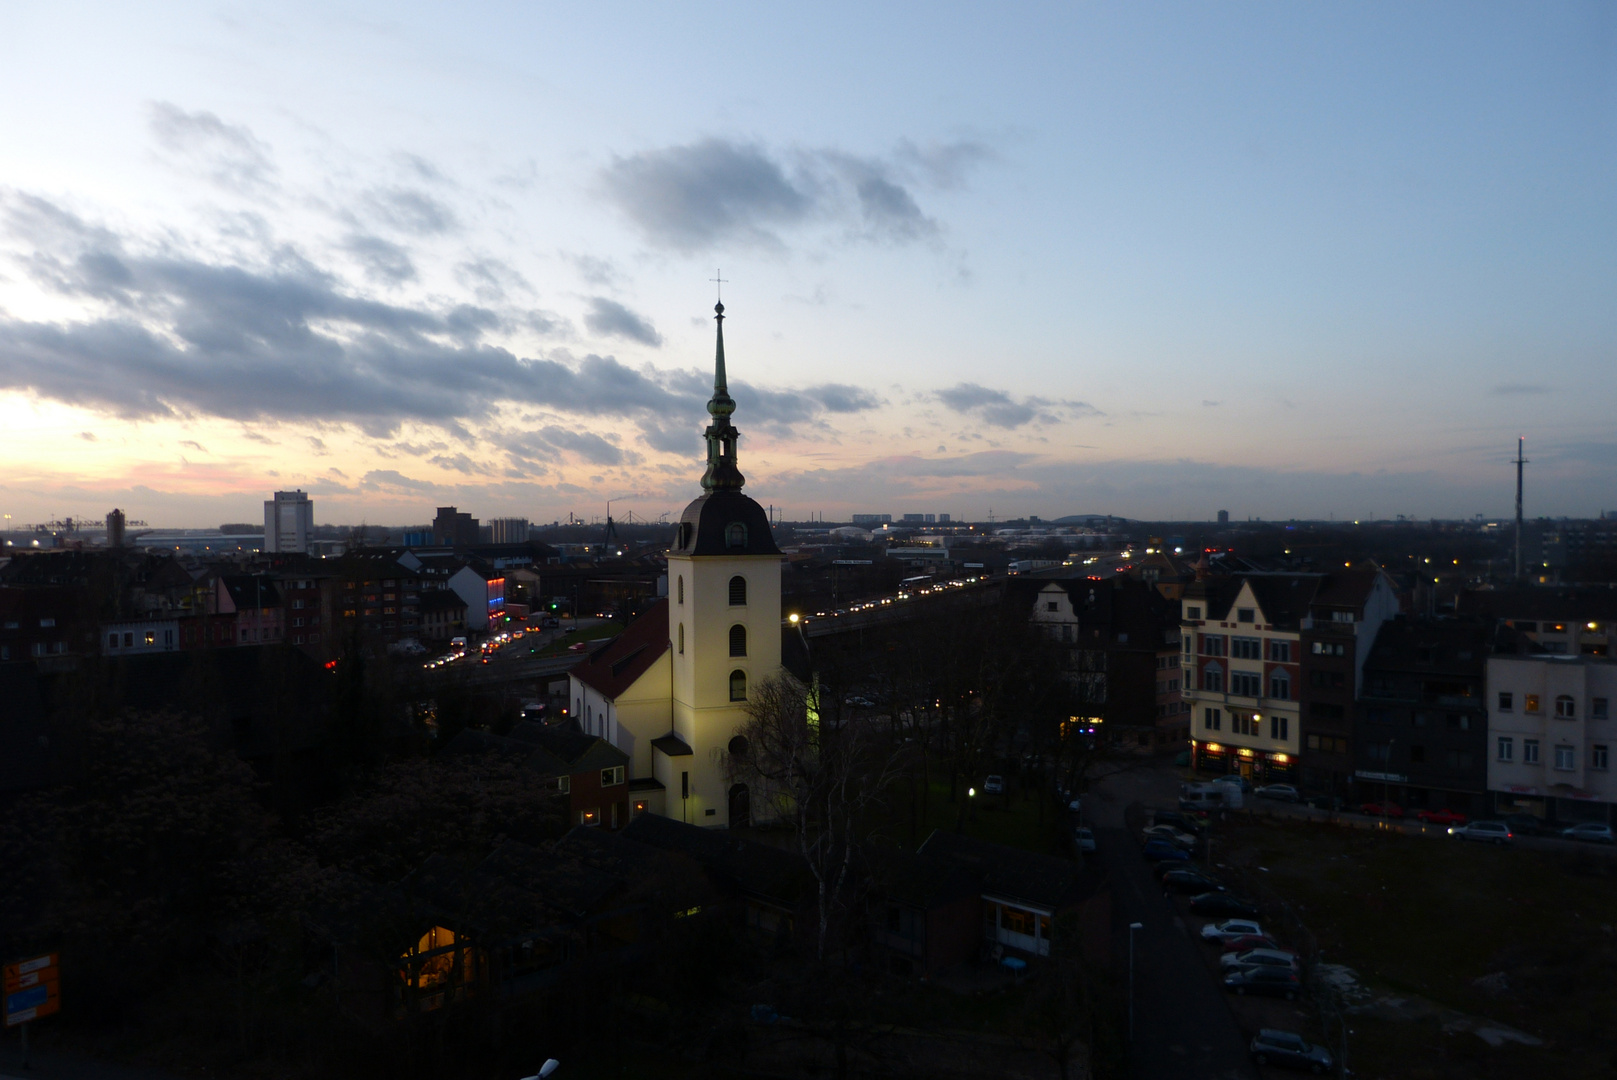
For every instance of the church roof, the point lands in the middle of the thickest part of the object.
(704, 528)
(612, 670)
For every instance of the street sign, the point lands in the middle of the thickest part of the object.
(31, 989)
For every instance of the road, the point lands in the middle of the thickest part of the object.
(1183, 1026)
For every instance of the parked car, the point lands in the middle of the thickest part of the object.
(1235, 778)
(1170, 834)
(1279, 958)
(1161, 850)
(1182, 878)
(1251, 941)
(1193, 824)
(1221, 903)
(1525, 824)
(1441, 817)
(1230, 929)
(1382, 809)
(993, 784)
(1488, 832)
(1083, 839)
(1590, 832)
(1276, 982)
(1274, 1047)
(1279, 792)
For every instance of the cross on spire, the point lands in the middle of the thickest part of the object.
(721, 281)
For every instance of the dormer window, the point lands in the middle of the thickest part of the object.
(735, 535)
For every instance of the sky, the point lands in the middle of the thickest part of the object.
(1291, 261)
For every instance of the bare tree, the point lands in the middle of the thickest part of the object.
(824, 779)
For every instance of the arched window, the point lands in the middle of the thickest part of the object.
(738, 591)
(682, 639)
(738, 686)
(735, 535)
(738, 640)
(1565, 707)
(682, 588)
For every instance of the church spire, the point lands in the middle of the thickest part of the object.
(722, 473)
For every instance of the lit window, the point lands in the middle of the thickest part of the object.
(1532, 703)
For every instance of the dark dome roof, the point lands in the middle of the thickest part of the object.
(705, 527)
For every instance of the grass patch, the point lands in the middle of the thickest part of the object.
(1430, 916)
(1012, 818)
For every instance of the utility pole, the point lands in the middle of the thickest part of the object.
(1521, 444)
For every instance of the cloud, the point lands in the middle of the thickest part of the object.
(944, 165)
(611, 319)
(88, 436)
(1519, 389)
(193, 444)
(1209, 404)
(595, 271)
(382, 260)
(382, 479)
(230, 155)
(490, 279)
(317, 445)
(887, 209)
(689, 197)
(999, 409)
(549, 442)
(410, 210)
(842, 398)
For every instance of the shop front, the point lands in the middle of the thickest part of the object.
(1258, 766)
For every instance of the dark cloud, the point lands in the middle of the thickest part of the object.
(595, 271)
(230, 155)
(688, 197)
(611, 319)
(842, 398)
(998, 409)
(944, 165)
(193, 444)
(382, 260)
(490, 279)
(88, 436)
(410, 210)
(390, 479)
(317, 445)
(550, 442)
(891, 212)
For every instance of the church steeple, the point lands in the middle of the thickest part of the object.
(722, 472)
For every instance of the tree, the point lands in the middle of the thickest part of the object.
(822, 778)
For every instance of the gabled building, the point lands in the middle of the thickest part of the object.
(621, 692)
(1551, 732)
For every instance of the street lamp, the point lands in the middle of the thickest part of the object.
(1133, 926)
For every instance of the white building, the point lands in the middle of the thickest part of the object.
(288, 522)
(1550, 736)
(133, 637)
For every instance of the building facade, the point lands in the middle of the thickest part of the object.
(1550, 736)
(288, 522)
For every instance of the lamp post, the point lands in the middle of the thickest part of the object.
(1133, 926)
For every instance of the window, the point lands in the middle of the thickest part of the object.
(738, 591)
(1325, 680)
(591, 816)
(151, 637)
(1212, 677)
(1599, 709)
(612, 776)
(1244, 614)
(1529, 751)
(1599, 756)
(738, 640)
(1244, 724)
(1507, 701)
(1328, 648)
(1212, 719)
(682, 639)
(1212, 645)
(1052, 605)
(1378, 753)
(47, 623)
(1532, 703)
(1190, 644)
(1246, 648)
(1341, 616)
(738, 686)
(1565, 758)
(1459, 722)
(1280, 686)
(564, 784)
(1459, 760)
(682, 588)
(1193, 613)
(1506, 748)
(1325, 710)
(1565, 707)
(1246, 683)
(1280, 651)
(1417, 754)
(1066, 633)
(112, 641)
(1378, 716)
(1280, 727)
(735, 535)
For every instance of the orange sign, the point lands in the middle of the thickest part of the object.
(32, 989)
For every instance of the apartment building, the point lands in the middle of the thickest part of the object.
(1550, 736)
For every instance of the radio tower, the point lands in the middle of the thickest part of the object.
(1521, 444)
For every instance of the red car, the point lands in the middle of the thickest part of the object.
(1376, 809)
(1441, 817)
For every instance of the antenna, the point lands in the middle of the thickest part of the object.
(1521, 446)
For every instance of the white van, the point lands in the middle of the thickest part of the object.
(1202, 796)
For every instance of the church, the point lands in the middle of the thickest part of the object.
(671, 691)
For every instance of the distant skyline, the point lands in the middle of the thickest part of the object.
(1288, 261)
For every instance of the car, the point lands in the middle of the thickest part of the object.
(1251, 941)
(993, 784)
(1182, 878)
(1525, 824)
(1485, 832)
(1382, 809)
(1441, 817)
(1590, 832)
(1271, 1046)
(1222, 903)
(1185, 823)
(578, 646)
(1235, 778)
(1279, 792)
(1230, 929)
(1276, 982)
(1279, 958)
(1170, 834)
(1083, 839)
(1161, 850)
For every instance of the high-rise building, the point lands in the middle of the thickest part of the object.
(453, 529)
(944, 519)
(115, 529)
(1223, 517)
(288, 522)
(510, 530)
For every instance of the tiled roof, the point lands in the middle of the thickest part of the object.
(612, 670)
